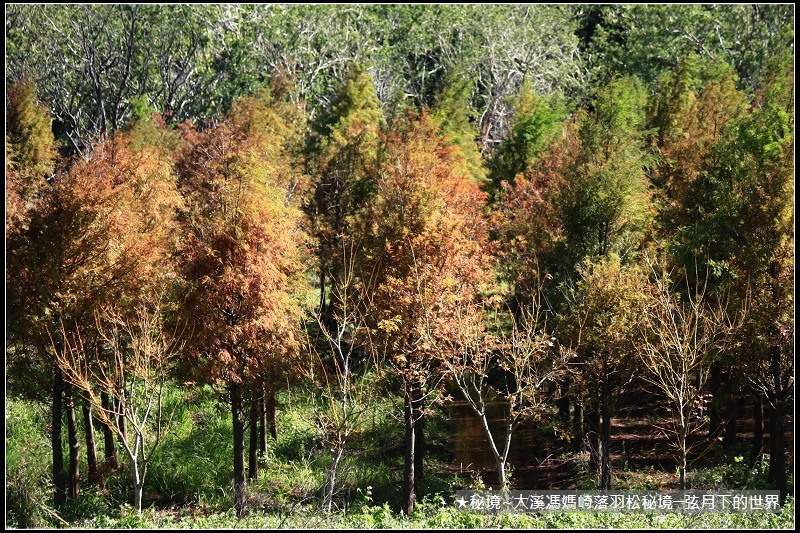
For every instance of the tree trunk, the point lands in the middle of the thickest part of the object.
(330, 482)
(577, 423)
(110, 448)
(91, 448)
(563, 401)
(731, 423)
(715, 383)
(238, 449)
(252, 456)
(59, 478)
(605, 435)
(682, 479)
(777, 461)
(419, 437)
(122, 423)
(758, 430)
(270, 409)
(592, 430)
(262, 425)
(778, 451)
(138, 484)
(409, 488)
(74, 444)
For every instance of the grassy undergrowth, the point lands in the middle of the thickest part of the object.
(189, 481)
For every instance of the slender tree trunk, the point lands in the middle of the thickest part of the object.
(330, 482)
(605, 434)
(138, 484)
(715, 383)
(683, 465)
(270, 409)
(592, 428)
(577, 423)
(109, 446)
(74, 444)
(778, 451)
(758, 429)
(777, 466)
(122, 422)
(262, 425)
(91, 448)
(252, 456)
(238, 449)
(563, 401)
(409, 487)
(59, 477)
(419, 437)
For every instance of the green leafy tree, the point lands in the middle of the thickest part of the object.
(600, 327)
(30, 150)
(342, 152)
(535, 122)
(644, 40)
(741, 229)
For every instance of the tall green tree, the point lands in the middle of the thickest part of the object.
(741, 229)
(30, 150)
(535, 122)
(341, 154)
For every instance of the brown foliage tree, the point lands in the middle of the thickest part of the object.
(241, 255)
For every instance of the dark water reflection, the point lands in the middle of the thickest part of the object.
(473, 453)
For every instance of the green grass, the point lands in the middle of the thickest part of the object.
(189, 480)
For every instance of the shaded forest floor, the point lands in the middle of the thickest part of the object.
(643, 457)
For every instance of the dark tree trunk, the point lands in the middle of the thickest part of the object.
(73, 479)
(592, 429)
(252, 457)
(778, 451)
(563, 401)
(238, 449)
(110, 448)
(731, 423)
(122, 424)
(758, 429)
(715, 383)
(777, 462)
(91, 448)
(59, 477)
(409, 485)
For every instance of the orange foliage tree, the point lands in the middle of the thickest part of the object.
(98, 235)
(241, 255)
(424, 250)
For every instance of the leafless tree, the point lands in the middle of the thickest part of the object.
(680, 336)
(134, 369)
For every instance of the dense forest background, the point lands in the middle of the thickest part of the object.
(386, 208)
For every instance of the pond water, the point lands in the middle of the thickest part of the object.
(471, 446)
